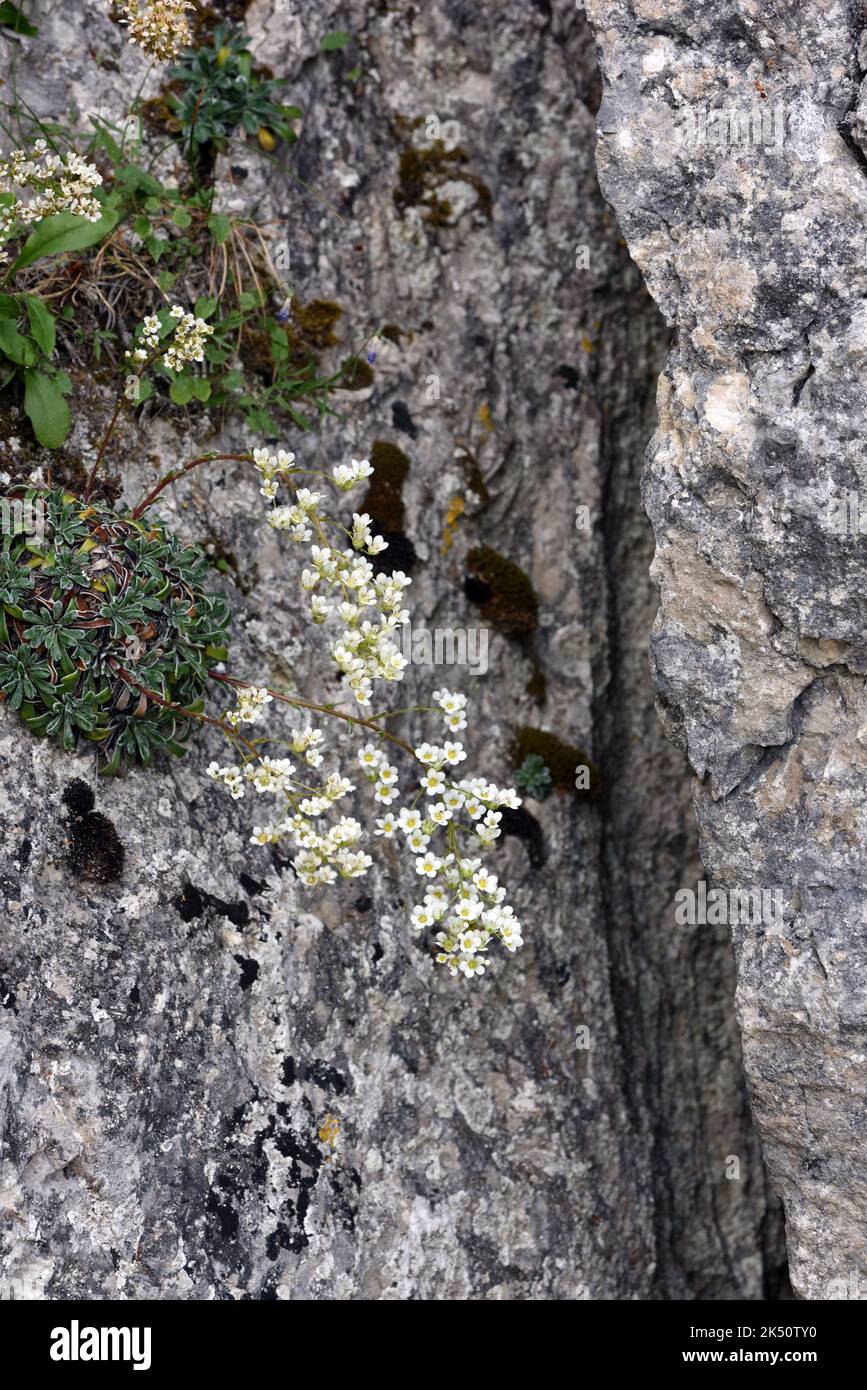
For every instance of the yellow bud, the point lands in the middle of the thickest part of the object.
(223, 54)
(266, 139)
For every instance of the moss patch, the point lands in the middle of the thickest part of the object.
(560, 758)
(503, 591)
(384, 503)
(422, 172)
(357, 374)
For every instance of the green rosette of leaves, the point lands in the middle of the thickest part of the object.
(106, 630)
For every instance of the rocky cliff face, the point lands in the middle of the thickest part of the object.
(730, 149)
(218, 1086)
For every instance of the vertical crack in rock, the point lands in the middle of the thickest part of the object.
(730, 144)
(275, 1095)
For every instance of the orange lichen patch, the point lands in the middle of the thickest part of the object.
(329, 1130)
(456, 509)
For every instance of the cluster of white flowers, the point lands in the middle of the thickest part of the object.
(161, 29)
(342, 581)
(186, 344)
(61, 184)
(462, 900)
(252, 700)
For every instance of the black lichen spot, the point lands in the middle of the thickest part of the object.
(24, 852)
(363, 903)
(378, 952)
(95, 851)
(79, 797)
(329, 1078)
(392, 333)
(251, 886)
(135, 996)
(508, 599)
(8, 996)
(288, 1071)
(219, 1204)
(561, 759)
(189, 903)
(402, 419)
(237, 913)
(249, 970)
(568, 375)
(517, 821)
(192, 902)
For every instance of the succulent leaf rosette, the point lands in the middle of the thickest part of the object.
(100, 609)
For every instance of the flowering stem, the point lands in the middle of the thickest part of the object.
(111, 424)
(102, 448)
(321, 709)
(187, 713)
(141, 507)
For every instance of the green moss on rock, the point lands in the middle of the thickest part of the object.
(562, 759)
(503, 591)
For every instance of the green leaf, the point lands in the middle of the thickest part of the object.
(204, 306)
(181, 390)
(42, 324)
(8, 306)
(181, 218)
(22, 351)
(46, 409)
(201, 388)
(338, 39)
(64, 232)
(12, 18)
(219, 225)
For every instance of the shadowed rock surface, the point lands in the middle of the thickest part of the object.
(216, 1085)
(729, 149)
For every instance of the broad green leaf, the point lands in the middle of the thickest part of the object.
(8, 306)
(64, 232)
(201, 388)
(204, 306)
(181, 218)
(46, 409)
(332, 42)
(20, 350)
(12, 18)
(42, 324)
(219, 225)
(181, 390)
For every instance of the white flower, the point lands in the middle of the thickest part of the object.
(429, 865)
(386, 826)
(433, 782)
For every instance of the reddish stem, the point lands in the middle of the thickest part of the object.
(141, 507)
(319, 709)
(187, 713)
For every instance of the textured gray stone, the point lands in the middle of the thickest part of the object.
(753, 248)
(175, 1043)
